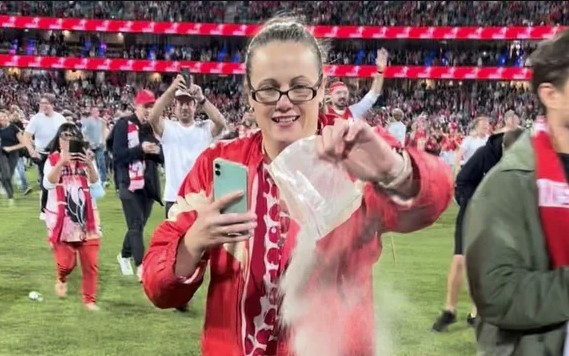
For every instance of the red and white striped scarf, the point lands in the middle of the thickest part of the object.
(553, 195)
(135, 168)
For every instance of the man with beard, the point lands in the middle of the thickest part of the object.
(339, 95)
(185, 139)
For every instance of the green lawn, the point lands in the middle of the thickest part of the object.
(409, 295)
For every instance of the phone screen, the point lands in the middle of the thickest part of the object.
(187, 76)
(76, 146)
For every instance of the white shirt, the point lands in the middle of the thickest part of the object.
(470, 145)
(398, 130)
(360, 108)
(44, 128)
(182, 146)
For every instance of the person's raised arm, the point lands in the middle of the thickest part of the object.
(359, 109)
(155, 117)
(210, 110)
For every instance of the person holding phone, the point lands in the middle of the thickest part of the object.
(136, 153)
(185, 139)
(71, 213)
(248, 251)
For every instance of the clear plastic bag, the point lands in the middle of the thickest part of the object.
(319, 195)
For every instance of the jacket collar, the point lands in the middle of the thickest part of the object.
(520, 156)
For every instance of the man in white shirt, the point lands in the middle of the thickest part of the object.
(41, 130)
(473, 142)
(183, 140)
(397, 128)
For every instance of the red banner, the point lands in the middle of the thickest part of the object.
(225, 68)
(211, 29)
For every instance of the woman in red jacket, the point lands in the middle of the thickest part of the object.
(404, 190)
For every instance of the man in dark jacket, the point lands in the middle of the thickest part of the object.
(467, 180)
(136, 154)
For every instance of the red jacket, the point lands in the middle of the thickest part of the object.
(227, 319)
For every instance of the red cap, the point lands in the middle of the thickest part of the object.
(144, 97)
(337, 86)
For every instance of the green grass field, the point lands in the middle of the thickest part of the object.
(409, 295)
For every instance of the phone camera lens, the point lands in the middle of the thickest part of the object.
(217, 166)
(217, 173)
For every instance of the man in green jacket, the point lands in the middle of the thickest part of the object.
(517, 227)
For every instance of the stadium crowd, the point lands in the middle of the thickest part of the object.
(342, 52)
(441, 103)
(380, 13)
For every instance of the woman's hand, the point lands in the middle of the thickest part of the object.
(362, 152)
(64, 158)
(212, 228)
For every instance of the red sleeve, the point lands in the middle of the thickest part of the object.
(161, 285)
(434, 196)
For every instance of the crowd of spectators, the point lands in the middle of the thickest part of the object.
(415, 13)
(379, 13)
(220, 50)
(172, 11)
(441, 103)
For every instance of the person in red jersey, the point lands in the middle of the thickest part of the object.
(418, 136)
(247, 254)
(339, 106)
(451, 143)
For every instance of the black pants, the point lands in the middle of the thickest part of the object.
(136, 208)
(167, 206)
(458, 229)
(8, 162)
(43, 196)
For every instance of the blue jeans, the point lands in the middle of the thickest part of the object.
(101, 165)
(21, 174)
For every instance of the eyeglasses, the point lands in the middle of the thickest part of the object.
(297, 94)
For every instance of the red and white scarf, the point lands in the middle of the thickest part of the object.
(553, 194)
(84, 213)
(135, 168)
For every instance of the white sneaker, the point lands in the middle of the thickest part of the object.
(139, 273)
(42, 216)
(126, 267)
